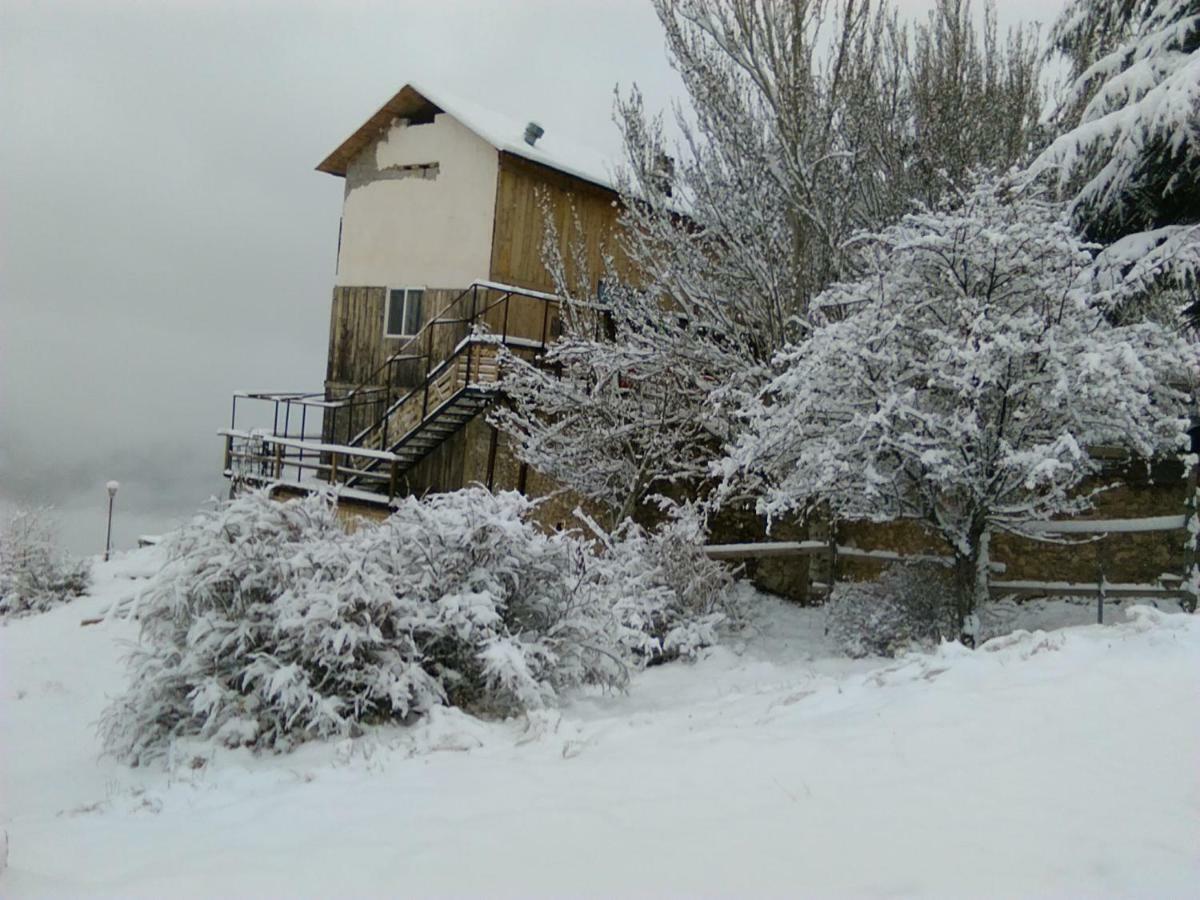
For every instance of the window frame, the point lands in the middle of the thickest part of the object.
(387, 310)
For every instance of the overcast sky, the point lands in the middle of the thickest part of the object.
(164, 239)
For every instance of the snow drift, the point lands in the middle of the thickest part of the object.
(1053, 763)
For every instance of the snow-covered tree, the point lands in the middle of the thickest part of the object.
(964, 382)
(729, 235)
(806, 121)
(35, 574)
(1129, 152)
(609, 410)
(972, 100)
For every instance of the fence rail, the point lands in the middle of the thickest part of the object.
(1169, 587)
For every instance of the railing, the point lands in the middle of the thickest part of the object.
(467, 309)
(474, 363)
(482, 305)
(473, 368)
(1168, 586)
(463, 316)
(270, 460)
(1103, 589)
(314, 436)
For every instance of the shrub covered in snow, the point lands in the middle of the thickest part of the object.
(909, 604)
(666, 595)
(271, 624)
(35, 574)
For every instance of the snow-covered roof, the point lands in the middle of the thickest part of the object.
(502, 132)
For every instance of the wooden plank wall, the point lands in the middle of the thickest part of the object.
(355, 334)
(357, 347)
(519, 227)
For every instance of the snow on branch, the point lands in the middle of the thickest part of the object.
(1128, 149)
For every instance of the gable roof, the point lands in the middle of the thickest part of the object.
(502, 132)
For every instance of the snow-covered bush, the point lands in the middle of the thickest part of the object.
(666, 595)
(35, 574)
(910, 603)
(271, 624)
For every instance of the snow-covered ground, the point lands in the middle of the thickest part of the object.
(1062, 763)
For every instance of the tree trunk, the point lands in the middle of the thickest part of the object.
(971, 570)
(1191, 547)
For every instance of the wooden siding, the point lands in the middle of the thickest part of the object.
(581, 210)
(355, 333)
(357, 346)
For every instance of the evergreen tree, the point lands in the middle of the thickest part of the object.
(1129, 152)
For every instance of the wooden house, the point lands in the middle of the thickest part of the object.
(441, 238)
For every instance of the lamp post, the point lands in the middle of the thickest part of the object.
(113, 487)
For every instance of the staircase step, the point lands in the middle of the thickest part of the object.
(453, 409)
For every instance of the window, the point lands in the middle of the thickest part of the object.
(404, 311)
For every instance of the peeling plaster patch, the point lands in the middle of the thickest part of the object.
(364, 170)
(419, 170)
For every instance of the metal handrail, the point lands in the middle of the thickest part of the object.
(473, 289)
(316, 454)
(431, 371)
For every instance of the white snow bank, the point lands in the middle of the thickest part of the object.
(1045, 764)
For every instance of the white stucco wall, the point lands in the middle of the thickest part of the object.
(407, 230)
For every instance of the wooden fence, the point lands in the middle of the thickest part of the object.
(1178, 587)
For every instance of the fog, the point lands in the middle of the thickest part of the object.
(164, 239)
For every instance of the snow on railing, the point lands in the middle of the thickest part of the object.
(267, 460)
(309, 446)
(1109, 589)
(767, 549)
(1106, 526)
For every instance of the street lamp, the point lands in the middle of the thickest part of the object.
(113, 487)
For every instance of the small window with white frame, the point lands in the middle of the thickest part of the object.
(404, 309)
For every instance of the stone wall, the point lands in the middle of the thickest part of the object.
(1134, 492)
(1137, 491)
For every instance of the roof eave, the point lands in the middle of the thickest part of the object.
(402, 103)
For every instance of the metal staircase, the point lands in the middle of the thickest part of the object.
(406, 423)
(450, 396)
